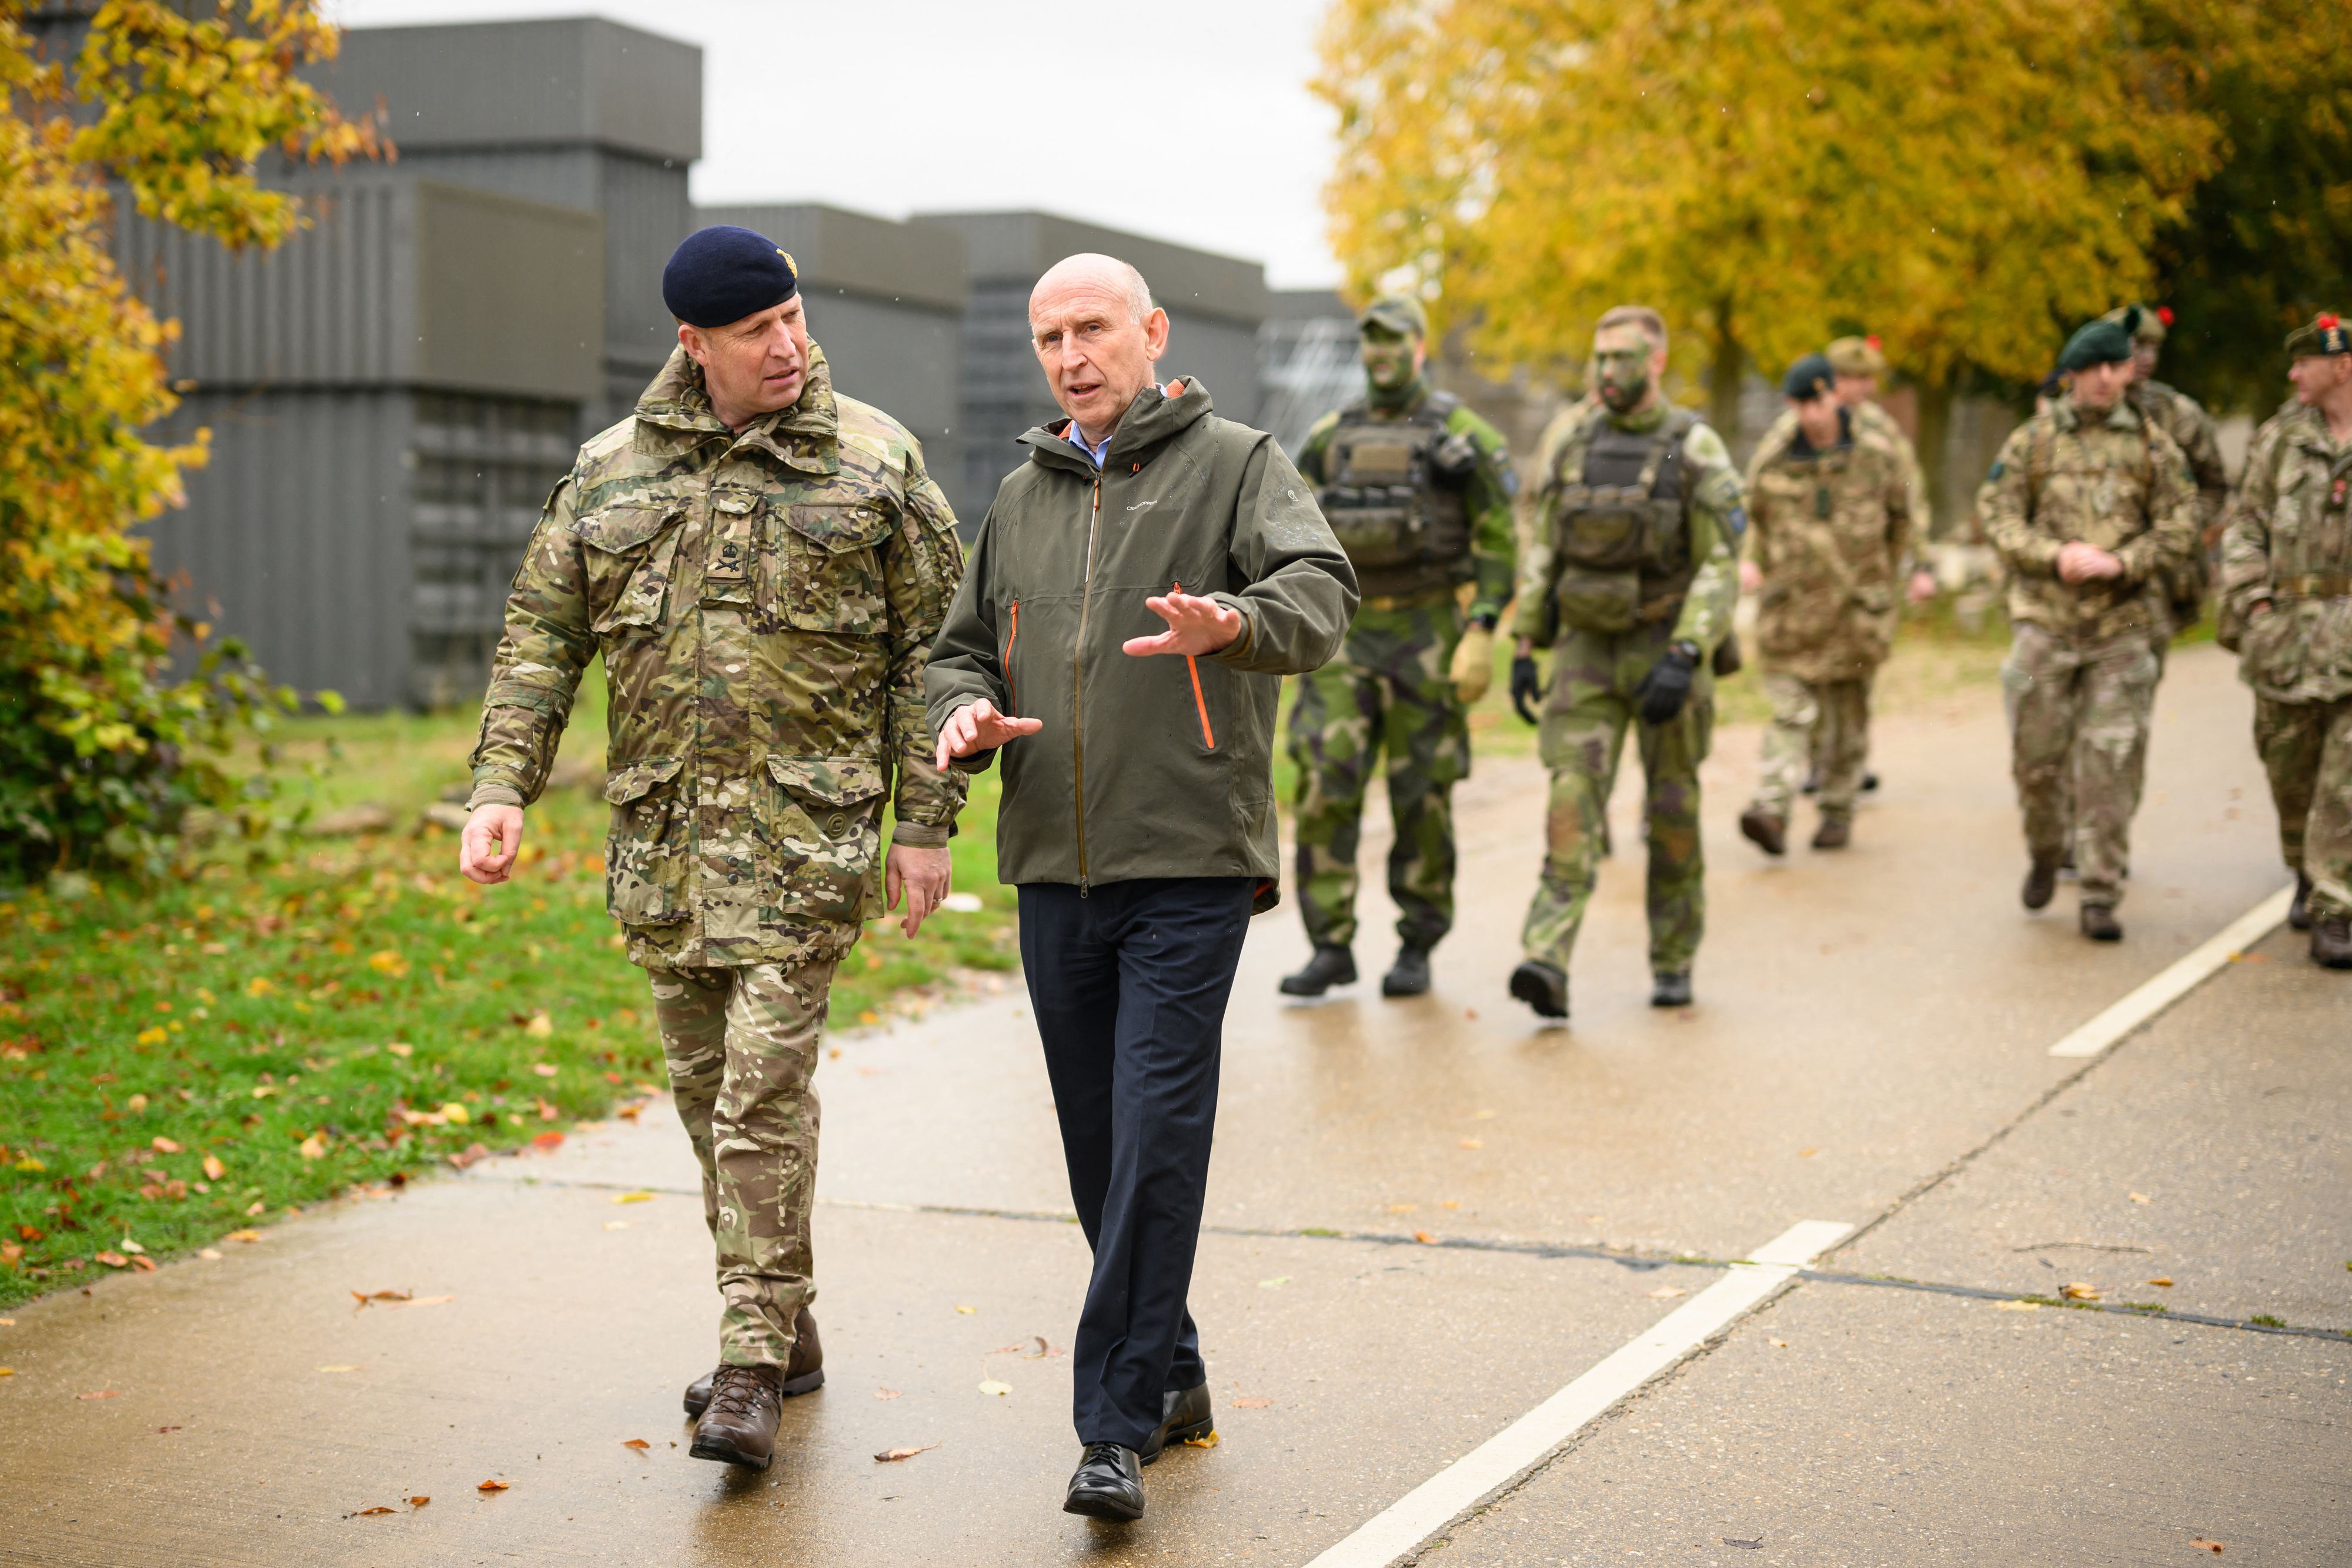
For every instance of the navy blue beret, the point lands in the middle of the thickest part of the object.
(1808, 377)
(723, 274)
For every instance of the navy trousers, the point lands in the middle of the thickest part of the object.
(1129, 985)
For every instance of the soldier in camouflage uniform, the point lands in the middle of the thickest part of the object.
(2286, 577)
(1630, 577)
(1418, 489)
(1830, 506)
(2184, 419)
(2087, 504)
(762, 565)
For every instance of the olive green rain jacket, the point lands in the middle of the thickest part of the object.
(1148, 766)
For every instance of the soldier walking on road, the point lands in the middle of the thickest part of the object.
(1830, 506)
(761, 564)
(2182, 417)
(2286, 577)
(1418, 490)
(1629, 577)
(2088, 503)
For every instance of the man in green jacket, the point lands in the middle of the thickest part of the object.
(1136, 594)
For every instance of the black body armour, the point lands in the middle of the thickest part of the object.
(1396, 497)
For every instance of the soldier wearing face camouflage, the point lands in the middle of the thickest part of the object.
(761, 564)
(1418, 489)
(1630, 577)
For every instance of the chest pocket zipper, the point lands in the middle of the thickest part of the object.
(1193, 667)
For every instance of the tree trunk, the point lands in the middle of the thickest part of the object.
(1935, 435)
(1723, 376)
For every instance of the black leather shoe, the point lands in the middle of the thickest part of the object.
(1764, 831)
(2041, 881)
(2099, 923)
(2331, 940)
(1108, 1484)
(804, 1375)
(2298, 913)
(1670, 990)
(1408, 976)
(1542, 987)
(1330, 967)
(738, 1426)
(1183, 1415)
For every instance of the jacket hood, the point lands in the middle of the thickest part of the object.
(1156, 417)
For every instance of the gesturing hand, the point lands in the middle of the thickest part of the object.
(1196, 626)
(977, 726)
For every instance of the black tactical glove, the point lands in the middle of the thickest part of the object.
(1453, 460)
(1527, 686)
(1667, 685)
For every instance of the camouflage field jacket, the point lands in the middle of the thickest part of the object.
(764, 603)
(2289, 544)
(1871, 418)
(1832, 532)
(2113, 480)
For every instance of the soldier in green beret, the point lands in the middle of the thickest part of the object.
(2089, 504)
(2287, 578)
(1418, 489)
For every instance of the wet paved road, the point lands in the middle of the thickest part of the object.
(1870, 1046)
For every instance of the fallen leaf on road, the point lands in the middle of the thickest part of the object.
(616, 1225)
(547, 1143)
(1667, 1293)
(886, 1393)
(1474, 1143)
(991, 1385)
(165, 1431)
(1424, 1238)
(633, 1197)
(365, 1297)
(2202, 1544)
(418, 1502)
(2079, 1291)
(148, 1264)
(101, 1393)
(335, 1369)
(2017, 1306)
(2140, 1197)
(1208, 1442)
(491, 1486)
(242, 1236)
(1252, 1402)
(214, 1169)
(426, 1301)
(7, 1371)
(634, 1443)
(892, 1455)
(629, 1113)
(968, 1312)
(1402, 1207)
(1451, 1203)
(1470, 1013)
(869, 1017)
(2162, 1281)
(1277, 1282)
(1755, 1545)
(1807, 1153)
(366, 1512)
(1778, 1344)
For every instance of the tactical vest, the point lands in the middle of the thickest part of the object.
(1396, 497)
(1620, 531)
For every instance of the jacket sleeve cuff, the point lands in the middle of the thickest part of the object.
(1239, 648)
(494, 792)
(919, 835)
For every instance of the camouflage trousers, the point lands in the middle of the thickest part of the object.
(1386, 695)
(1822, 724)
(2078, 721)
(2306, 750)
(742, 1043)
(1586, 713)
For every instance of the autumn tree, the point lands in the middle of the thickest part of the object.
(1966, 181)
(103, 748)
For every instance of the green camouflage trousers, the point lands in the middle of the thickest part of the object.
(742, 1043)
(1585, 715)
(2078, 720)
(1386, 694)
(1824, 725)
(2306, 750)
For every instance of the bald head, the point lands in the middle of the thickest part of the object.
(1097, 333)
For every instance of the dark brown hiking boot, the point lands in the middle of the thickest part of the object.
(1764, 831)
(804, 1375)
(1835, 833)
(2331, 940)
(2099, 923)
(738, 1427)
(2040, 880)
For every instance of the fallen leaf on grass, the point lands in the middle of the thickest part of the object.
(1252, 1402)
(2202, 1544)
(2162, 1281)
(166, 1146)
(491, 1486)
(633, 1197)
(112, 1260)
(146, 1264)
(2079, 1291)
(886, 1393)
(313, 1148)
(400, 1047)
(101, 1393)
(365, 1297)
(1667, 1293)
(2017, 1306)
(540, 1026)
(991, 1385)
(214, 1169)
(869, 1017)
(634, 1443)
(893, 1456)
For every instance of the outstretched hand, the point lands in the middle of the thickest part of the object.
(1196, 626)
(977, 726)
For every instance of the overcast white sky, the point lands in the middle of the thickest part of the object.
(1188, 123)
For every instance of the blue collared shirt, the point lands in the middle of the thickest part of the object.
(1095, 452)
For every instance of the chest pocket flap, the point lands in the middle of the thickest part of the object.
(836, 781)
(627, 581)
(840, 526)
(830, 578)
(616, 530)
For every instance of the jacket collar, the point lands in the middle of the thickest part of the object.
(674, 413)
(2123, 416)
(1154, 419)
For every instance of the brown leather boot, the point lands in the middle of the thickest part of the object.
(1764, 831)
(804, 1375)
(739, 1427)
(2331, 939)
(2040, 880)
(1835, 833)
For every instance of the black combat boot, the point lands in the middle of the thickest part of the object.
(2041, 880)
(1330, 967)
(1108, 1484)
(805, 1375)
(1541, 986)
(2331, 939)
(1764, 831)
(2298, 913)
(1670, 989)
(739, 1424)
(2099, 923)
(1408, 976)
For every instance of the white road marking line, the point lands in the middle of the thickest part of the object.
(2182, 977)
(1400, 1528)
